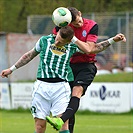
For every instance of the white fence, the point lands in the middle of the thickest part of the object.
(101, 97)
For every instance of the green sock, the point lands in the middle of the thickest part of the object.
(65, 131)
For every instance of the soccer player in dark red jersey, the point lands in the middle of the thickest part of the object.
(83, 65)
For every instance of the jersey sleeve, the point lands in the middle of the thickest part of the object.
(93, 34)
(94, 30)
(77, 48)
(37, 46)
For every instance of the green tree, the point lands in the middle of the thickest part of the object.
(14, 13)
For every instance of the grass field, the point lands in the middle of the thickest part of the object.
(22, 122)
(118, 77)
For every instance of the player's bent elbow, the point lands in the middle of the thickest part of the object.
(89, 51)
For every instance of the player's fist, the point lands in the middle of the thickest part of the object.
(119, 37)
(5, 73)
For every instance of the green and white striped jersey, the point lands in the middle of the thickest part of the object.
(54, 61)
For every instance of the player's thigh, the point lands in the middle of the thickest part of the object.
(61, 99)
(40, 105)
(84, 75)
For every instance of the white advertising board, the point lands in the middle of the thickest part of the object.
(103, 97)
(4, 96)
(21, 95)
(107, 97)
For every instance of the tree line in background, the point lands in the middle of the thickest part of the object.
(14, 13)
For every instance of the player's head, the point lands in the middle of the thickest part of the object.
(77, 20)
(64, 36)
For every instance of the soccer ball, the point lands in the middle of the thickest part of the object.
(61, 16)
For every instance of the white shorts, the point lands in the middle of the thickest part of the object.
(49, 98)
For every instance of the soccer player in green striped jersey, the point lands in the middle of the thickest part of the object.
(51, 92)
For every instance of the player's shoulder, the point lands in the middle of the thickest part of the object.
(47, 37)
(89, 21)
(71, 46)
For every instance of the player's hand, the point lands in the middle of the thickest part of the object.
(5, 73)
(119, 37)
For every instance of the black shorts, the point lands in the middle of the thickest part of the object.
(84, 74)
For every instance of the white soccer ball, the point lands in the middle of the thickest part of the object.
(61, 17)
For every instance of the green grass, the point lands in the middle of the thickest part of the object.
(22, 122)
(119, 77)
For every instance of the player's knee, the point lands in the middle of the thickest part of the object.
(40, 128)
(77, 91)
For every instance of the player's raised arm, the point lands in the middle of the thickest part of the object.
(24, 59)
(103, 45)
(98, 47)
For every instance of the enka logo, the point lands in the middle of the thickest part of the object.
(103, 93)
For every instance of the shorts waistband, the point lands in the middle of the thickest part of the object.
(51, 80)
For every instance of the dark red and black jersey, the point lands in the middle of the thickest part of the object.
(88, 32)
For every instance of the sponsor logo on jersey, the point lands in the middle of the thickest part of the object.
(58, 50)
(84, 33)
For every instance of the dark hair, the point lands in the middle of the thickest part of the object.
(57, 28)
(66, 32)
(74, 13)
